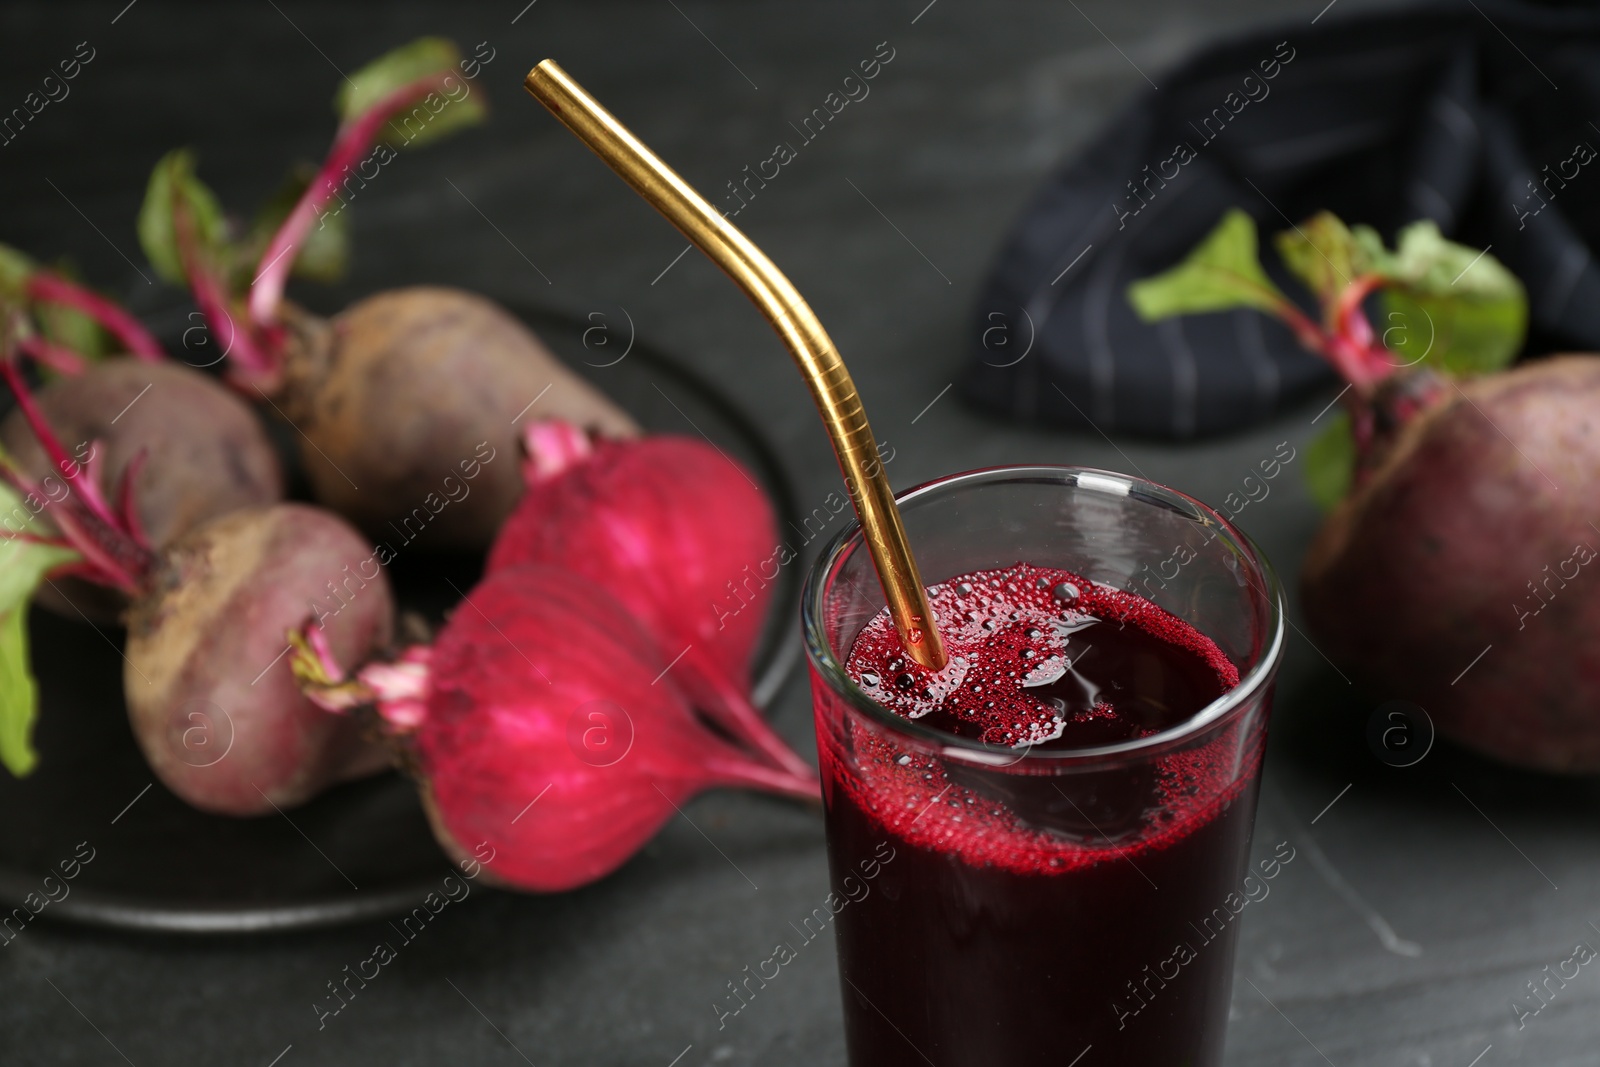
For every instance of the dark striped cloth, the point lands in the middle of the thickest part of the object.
(1479, 114)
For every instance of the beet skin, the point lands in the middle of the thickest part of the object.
(1475, 533)
(214, 704)
(554, 736)
(403, 392)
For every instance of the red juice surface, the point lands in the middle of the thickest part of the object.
(1028, 915)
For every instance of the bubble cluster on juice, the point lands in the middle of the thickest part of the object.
(1041, 658)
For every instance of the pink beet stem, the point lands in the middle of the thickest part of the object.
(1345, 314)
(1305, 331)
(318, 643)
(58, 358)
(350, 142)
(1347, 342)
(319, 675)
(1308, 333)
(1350, 323)
(54, 289)
(733, 711)
(1348, 356)
(239, 345)
(25, 537)
(550, 447)
(399, 689)
(752, 775)
(49, 442)
(82, 532)
(79, 569)
(127, 512)
(1351, 359)
(85, 519)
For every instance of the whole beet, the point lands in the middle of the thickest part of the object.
(666, 525)
(205, 453)
(544, 726)
(406, 400)
(411, 387)
(1473, 536)
(213, 702)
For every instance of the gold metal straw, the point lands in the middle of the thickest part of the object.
(787, 311)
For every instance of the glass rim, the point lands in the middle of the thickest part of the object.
(1258, 675)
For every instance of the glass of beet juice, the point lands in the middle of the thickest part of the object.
(1037, 852)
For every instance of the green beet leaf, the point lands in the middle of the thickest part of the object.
(1455, 306)
(1222, 272)
(1324, 254)
(443, 109)
(22, 565)
(69, 327)
(1331, 462)
(59, 323)
(1425, 262)
(15, 270)
(1374, 254)
(173, 181)
(1461, 336)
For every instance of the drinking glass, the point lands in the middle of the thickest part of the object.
(1069, 907)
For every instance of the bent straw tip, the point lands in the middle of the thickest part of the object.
(545, 68)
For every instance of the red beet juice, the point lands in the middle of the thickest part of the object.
(1036, 913)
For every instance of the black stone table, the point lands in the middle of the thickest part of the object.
(1420, 901)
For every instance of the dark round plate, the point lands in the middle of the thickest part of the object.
(359, 851)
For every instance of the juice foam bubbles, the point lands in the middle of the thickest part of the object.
(1042, 660)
